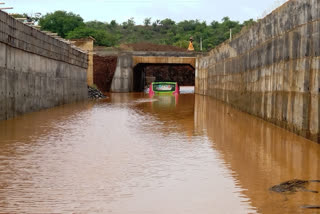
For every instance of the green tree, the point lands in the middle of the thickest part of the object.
(97, 25)
(61, 22)
(164, 31)
(102, 37)
(215, 24)
(147, 22)
(131, 22)
(167, 23)
(113, 24)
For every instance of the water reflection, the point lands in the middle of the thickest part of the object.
(260, 155)
(135, 154)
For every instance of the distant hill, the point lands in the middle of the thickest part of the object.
(162, 32)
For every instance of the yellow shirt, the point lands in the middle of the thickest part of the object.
(190, 48)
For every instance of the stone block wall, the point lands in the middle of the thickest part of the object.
(36, 70)
(272, 70)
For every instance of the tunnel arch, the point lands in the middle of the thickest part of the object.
(145, 73)
(129, 74)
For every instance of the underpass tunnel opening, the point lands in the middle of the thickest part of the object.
(144, 74)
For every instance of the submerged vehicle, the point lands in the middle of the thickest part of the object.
(164, 88)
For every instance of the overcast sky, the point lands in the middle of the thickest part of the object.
(122, 10)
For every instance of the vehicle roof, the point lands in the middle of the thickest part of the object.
(164, 83)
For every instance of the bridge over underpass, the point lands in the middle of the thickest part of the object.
(130, 75)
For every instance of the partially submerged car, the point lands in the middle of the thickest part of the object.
(164, 88)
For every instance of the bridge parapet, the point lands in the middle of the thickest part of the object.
(166, 53)
(123, 77)
(164, 60)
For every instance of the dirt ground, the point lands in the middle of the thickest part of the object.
(151, 47)
(104, 68)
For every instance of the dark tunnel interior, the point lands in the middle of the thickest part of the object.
(145, 74)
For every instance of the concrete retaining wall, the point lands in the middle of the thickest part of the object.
(122, 81)
(271, 70)
(36, 70)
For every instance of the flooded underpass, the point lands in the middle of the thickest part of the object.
(135, 154)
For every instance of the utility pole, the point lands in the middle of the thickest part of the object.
(230, 34)
(5, 8)
(200, 43)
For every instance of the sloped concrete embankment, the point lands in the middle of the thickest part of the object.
(271, 70)
(36, 70)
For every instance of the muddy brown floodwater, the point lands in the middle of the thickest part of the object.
(132, 154)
